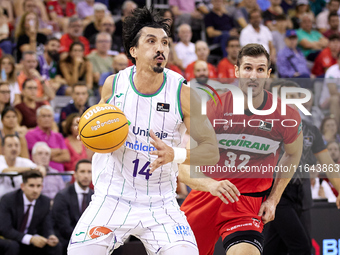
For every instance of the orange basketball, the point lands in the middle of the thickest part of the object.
(103, 128)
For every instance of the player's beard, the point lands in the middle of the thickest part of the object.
(158, 68)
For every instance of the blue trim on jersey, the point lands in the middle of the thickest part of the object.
(113, 88)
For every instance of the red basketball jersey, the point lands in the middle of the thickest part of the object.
(250, 144)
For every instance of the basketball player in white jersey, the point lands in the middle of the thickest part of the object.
(135, 185)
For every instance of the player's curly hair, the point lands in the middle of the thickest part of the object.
(132, 26)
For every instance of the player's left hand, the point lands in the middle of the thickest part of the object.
(164, 152)
(338, 202)
(267, 211)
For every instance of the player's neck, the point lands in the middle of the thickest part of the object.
(146, 82)
(257, 101)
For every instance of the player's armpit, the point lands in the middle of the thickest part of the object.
(107, 89)
(200, 129)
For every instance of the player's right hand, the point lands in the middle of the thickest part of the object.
(38, 241)
(225, 190)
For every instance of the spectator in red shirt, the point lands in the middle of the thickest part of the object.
(327, 57)
(333, 21)
(75, 31)
(60, 11)
(226, 65)
(202, 51)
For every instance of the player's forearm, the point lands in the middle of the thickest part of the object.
(203, 154)
(290, 162)
(195, 180)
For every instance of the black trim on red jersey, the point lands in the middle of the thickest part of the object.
(257, 194)
(265, 98)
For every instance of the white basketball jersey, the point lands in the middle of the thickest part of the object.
(125, 172)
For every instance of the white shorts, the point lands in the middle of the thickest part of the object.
(110, 221)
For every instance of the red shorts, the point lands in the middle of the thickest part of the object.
(210, 218)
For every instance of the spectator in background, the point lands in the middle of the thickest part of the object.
(27, 109)
(287, 6)
(27, 35)
(279, 34)
(7, 7)
(333, 22)
(329, 129)
(322, 190)
(75, 67)
(5, 40)
(8, 73)
(317, 6)
(11, 126)
(186, 13)
(11, 162)
(185, 49)
(202, 81)
(74, 34)
(203, 6)
(334, 151)
(108, 26)
(38, 7)
(292, 62)
(119, 62)
(219, 25)
(311, 42)
(327, 57)
(100, 59)
(61, 11)
(226, 67)
(302, 7)
(269, 15)
(71, 202)
(43, 132)
(243, 10)
(255, 32)
(85, 9)
(330, 94)
(25, 217)
(75, 147)
(202, 52)
(30, 63)
(52, 184)
(4, 97)
(78, 104)
(49, 67)
(321, 20)
(317, 115)
(94, 27)
(127, 8)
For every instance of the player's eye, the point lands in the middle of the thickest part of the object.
(151, 40)
(261, 69)
(247, 68)
(165, 42)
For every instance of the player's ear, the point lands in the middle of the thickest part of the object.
(237, 71)
(269, 72)
(133, 52)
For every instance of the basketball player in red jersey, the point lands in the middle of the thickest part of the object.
(238, 212)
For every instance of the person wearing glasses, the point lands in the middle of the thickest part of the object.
(100, 59)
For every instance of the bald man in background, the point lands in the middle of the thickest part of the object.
(202, 52)
(120, 62)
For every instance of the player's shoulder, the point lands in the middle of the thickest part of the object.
(333, 70)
